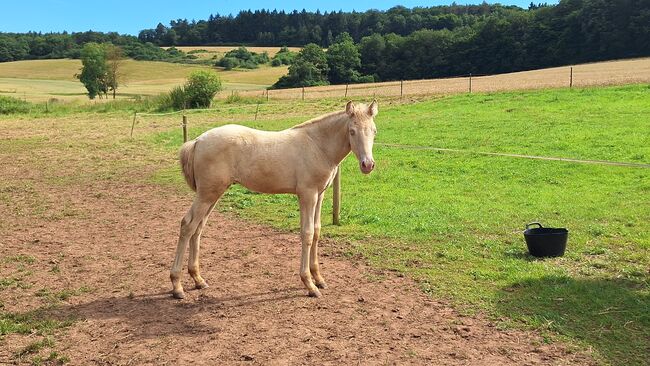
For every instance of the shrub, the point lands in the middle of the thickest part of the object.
(198, 92)
(283, 57)
(200, 89)
(174, 100)
(248, 65)
(243, 58)
(177, 98)
(234, 98)
(228, 63)
(241, 53)
(261, 58)
(9, 105)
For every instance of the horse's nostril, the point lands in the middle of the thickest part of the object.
(367, 165)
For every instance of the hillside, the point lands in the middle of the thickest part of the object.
(619, 72)
(40, 80)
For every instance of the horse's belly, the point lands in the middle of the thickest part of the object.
(267, 179)
(270, 187)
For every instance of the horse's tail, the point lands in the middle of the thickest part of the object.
(187, 163)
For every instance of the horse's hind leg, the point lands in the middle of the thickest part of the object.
(191, 221)
(195, 242)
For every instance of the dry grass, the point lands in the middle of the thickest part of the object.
(264, 76)
(601, 73)
(41, 80)
(65, 69)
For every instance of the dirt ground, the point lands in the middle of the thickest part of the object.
(120, 244)
(85, 238)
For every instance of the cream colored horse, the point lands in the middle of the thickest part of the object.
(301, 160)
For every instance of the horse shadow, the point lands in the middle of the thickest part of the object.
(148, 316)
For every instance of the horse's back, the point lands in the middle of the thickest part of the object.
(264, 161)
(241, 136)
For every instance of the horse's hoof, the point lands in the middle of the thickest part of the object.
(314, 293)
(178, 294)
(202, 285)
(321, 285)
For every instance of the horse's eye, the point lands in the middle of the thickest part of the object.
(374, 131)
(352, 132)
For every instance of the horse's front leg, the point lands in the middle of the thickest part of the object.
(308, 202)
(314, 266)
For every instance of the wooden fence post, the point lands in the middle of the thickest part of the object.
(135, 115)
(346, 90)
(303, 93)
(257, 110)
(571, 78)
(184, 128)
(470, 82)
(267, 95)
(401, 88)
(336, 201)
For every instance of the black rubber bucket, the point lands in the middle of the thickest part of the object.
(545, 241)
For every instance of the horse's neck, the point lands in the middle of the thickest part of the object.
(331, 136)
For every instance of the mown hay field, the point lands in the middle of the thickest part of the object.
(41, 80)
(593, 74)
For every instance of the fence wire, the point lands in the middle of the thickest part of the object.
(521, 156)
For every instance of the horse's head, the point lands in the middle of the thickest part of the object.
(362, 131)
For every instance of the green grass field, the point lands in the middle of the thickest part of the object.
(454, 221)
(42, 80)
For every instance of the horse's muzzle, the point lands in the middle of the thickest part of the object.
(367, 165)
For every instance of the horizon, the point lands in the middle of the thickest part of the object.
(57, 16)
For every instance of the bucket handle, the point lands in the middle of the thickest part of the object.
(534, 223)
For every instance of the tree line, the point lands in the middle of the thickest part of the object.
(574, 31)
(398, 43)
(298, 28)
(33, 46)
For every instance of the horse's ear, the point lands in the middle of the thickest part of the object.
(373, 109)
(349, 108)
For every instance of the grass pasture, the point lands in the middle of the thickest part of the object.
(454, 221)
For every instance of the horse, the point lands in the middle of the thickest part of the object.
(301, 160)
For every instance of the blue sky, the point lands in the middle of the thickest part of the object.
(132, 16)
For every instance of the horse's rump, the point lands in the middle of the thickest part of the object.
(187, 163)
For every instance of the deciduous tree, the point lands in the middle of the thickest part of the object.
(94, 69)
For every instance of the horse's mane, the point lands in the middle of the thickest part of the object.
(317, 120)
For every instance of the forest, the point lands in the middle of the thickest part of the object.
(399, 43)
